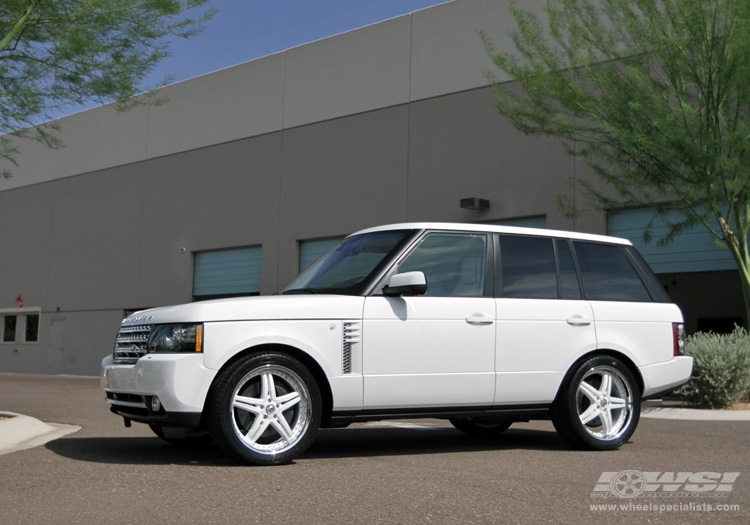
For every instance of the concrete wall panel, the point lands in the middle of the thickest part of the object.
(96, 240)
(349, 73)
(447, 53)
(88, 337)
(93, 140)
(220, 197)
(237, 102)
(461, 147)
(25, 237)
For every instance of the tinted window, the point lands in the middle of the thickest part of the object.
(607, 274)
(528, 267)
(9, 328)
(569, 287)
(32, 328)
(453, 263)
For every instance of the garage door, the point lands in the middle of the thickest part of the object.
(694, 250)
(227, 272)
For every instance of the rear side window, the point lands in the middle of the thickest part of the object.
(528, 267)
(607, 273)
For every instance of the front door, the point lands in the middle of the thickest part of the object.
(437, 349)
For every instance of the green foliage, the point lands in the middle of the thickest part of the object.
(653, 95)
(57, 53)
(721, 371)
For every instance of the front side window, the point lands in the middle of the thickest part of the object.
(607, 273)
(453, 263)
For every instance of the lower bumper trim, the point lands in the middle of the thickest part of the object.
(164, 419)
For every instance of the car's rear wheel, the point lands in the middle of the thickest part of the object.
(265, 409)
(599, 405)
(481, 427)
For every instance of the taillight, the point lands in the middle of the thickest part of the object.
(678, 336)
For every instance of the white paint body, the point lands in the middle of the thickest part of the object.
(413, 352)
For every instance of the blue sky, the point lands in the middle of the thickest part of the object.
(243, 30)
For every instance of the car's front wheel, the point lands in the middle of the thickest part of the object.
(599, 405)
(265, 409)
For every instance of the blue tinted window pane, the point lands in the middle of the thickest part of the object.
(608, 275)
(528, 267)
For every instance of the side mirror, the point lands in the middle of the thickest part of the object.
(409, 283)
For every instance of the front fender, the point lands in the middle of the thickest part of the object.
(320, 339)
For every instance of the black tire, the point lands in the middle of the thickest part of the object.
(265, 409)
(481, 427)
(599, 405)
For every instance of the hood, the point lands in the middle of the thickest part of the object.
(273, 307)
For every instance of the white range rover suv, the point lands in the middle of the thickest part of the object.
(481, 325)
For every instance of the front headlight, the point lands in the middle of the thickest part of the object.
(176, 338)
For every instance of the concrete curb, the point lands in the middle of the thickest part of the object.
(694, 414)
(19, 432)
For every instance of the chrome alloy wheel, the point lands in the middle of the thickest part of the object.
(604, 401)
(270, 410)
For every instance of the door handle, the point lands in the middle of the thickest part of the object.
(479, 319)
(578, 320)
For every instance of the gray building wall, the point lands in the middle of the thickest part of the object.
(389, 123)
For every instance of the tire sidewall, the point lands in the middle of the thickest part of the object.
(222, 423)
(567, 420)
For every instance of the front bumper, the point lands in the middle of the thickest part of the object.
(662, 378)
(180, 381)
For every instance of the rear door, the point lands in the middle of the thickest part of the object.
(633, 314)
(543, 323)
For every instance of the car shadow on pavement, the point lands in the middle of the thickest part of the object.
(329, 444)
(357, 442)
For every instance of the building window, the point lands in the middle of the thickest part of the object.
(227, 273)
(20, 325)
(9, 328)
(32, 328)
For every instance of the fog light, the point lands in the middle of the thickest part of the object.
(155, 404)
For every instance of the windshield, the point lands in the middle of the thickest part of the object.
(347, 267)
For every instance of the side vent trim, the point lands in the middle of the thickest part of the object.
(352, 334)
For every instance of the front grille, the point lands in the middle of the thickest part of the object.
(131, 343)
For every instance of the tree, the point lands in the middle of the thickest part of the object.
(654, 95)
(57, 53)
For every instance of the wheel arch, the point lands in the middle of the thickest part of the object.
(624, 359)
(303, 357)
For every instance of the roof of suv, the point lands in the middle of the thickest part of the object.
(453, 226)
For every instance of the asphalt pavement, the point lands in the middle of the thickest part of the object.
(20, 431)
(96, 471)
